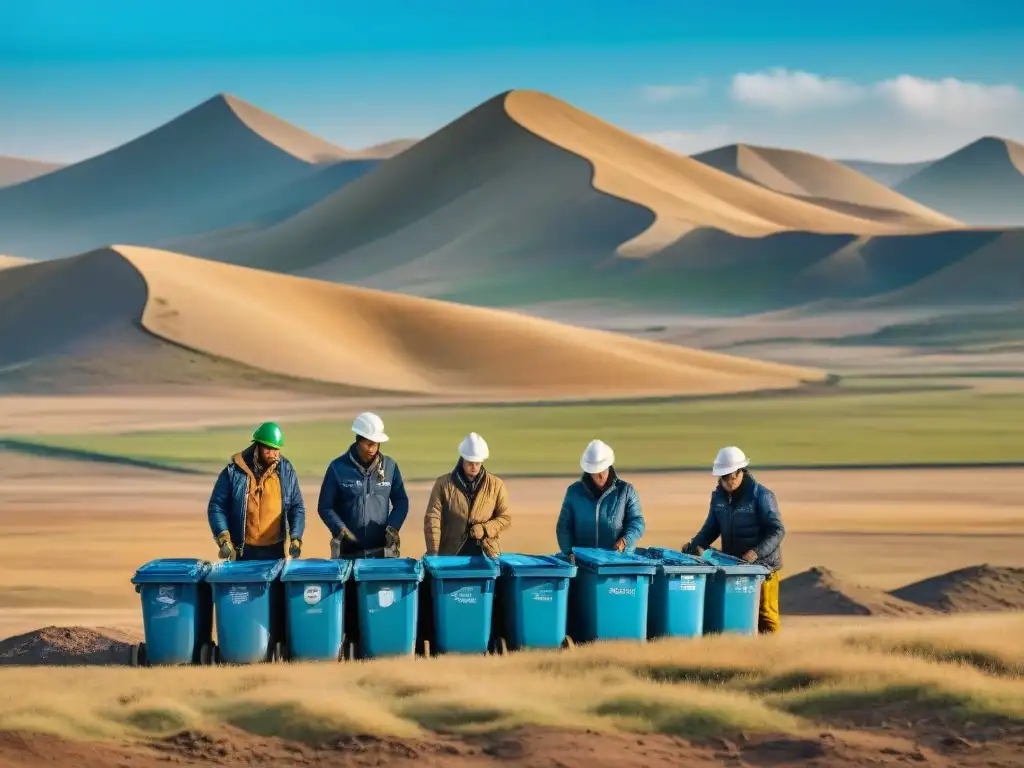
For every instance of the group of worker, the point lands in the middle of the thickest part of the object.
(256, 510)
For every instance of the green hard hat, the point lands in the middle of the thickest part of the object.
(269, 434)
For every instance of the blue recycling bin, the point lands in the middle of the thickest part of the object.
(315, 604)
(248, 624)
(608, 598)
(533, 600)
(462, 598)
(733, 594)
(676, 604)
(387, 596)
(177, 612)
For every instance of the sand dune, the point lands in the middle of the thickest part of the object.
(14, 170)
(184, 177)
(973, 589)
(820, 592)
(517, 180)
(981, 184)
(887, 174)
(821, 181)
(347, 336)
(385, 149)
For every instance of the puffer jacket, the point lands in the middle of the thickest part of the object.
(747, 519)
(364, 501)
(449, 515)
(229, 499)
(587, 520)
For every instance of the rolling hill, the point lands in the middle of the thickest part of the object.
(187, 176)
(821, 181)
(11, 261)
(524, 184)
(981, 184)
(14, 170)
(128, 316)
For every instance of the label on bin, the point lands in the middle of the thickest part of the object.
(312, 594)
(166, 602)
(743, 584)
(386, 597)
(684, 584)
(466, 596)
(543, 594)
(239, 594)
(622, 588)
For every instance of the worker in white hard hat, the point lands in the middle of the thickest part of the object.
(600, 509)
(468, 507)
(745, 514)
(362, 499)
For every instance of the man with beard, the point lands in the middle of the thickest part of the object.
(255, 510)
(600, 509)
(468, 507)
(362, 498)
(746, 516)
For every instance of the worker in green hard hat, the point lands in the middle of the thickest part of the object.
(256, 510)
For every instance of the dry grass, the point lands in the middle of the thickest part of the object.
(793, 683)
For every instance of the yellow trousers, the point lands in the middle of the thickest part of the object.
(768, 619)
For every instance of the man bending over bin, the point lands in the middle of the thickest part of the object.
(468, 507)
(746, 516)
(256, 510)
(600, 509)
(362, 499)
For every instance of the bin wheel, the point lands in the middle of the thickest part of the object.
(138, 655)
(568, 644)
(206, 654)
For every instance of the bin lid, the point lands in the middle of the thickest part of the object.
(672, 561)
(172, 570)
(607, 560)
(515, 564)
(387, 569)
(733, 566)
(461, 566)
(245, 571)
(317, 569)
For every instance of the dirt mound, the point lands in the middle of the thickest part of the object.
(978, 588)
(66, 646)
(820, 592)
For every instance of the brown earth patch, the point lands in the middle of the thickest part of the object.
(63, 646)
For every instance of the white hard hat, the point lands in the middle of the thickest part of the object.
(728, 460)
(597, 458)
(370, 426)
(474, 448)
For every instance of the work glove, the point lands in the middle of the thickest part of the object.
(572, 558)
(476, 531)
(227, 549)
(620, 545)
(490, 548)
(392, 542)
(295, 548)
(750, 556)
(336, 542)
(692, 549)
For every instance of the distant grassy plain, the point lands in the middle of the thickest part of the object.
(844, 428)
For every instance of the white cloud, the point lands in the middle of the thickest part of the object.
(787, 91)
(952, 100)
(659, 94)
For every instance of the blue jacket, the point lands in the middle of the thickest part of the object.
(748, 519)
(587, 521)
(226, 510)
(362, 501)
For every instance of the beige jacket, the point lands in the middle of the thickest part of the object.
(448, 520)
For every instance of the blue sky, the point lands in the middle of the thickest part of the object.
(895, 80)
